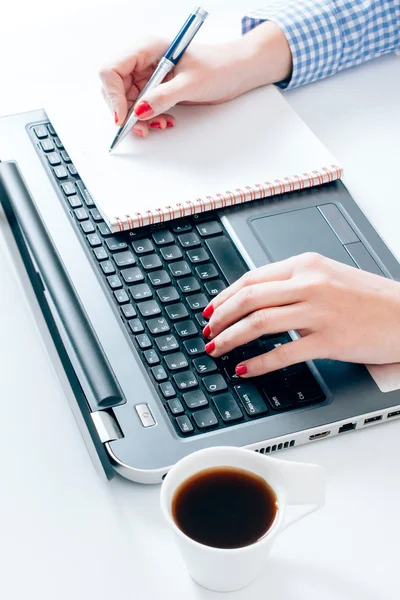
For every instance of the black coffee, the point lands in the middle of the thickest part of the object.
(224, 507)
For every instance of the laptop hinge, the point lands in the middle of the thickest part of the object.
(106, 426)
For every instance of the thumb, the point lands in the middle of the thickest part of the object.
(162, 98)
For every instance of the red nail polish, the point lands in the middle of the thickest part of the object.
(241, 370)
(210, 347)
(115, 117)
(170, 124)
(155, 125)
(143, 109)
(208, 311)
(207, 331)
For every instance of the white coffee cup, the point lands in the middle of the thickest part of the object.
(226, 570)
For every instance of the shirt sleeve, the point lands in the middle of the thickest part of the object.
(326, 36)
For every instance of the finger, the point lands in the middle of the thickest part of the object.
(114, 94)
(163, 97)
(274, 272)
(307, 348)
(141, 129)
(250, 299)
(272, 320)
(159, 122)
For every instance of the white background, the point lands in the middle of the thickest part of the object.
(64, 532)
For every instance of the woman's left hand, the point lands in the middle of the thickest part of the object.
(341, 313)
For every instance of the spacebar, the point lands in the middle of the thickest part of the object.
(227, 258)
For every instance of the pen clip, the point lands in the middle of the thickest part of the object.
(186, 34)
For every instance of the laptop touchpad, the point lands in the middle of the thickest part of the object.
(298, 231)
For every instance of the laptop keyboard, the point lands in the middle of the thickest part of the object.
(160, 278)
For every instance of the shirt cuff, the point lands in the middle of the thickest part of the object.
(313, 35)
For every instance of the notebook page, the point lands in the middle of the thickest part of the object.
(251, 139)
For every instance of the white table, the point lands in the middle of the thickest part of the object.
(64, 532)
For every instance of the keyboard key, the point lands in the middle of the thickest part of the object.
(81, 213)
(124, 259)
(128, 311)
(205, 364)
(205, 419)
(140, 292)
(176, 361)
(189, 240)
(279, 398)
(107, 267)
(51, 129)
(251, 399)
(207, 272)
(168, 294)
(65, 157)
(197, 301)
(115, 243)
(74, 201)
(132, 275)
(214, 383)
(86, 197)
(72, 170)
(96, 216)
(185, 380)
(181, 226)
(167, 343)
(68, 188)
(143, 246)
(184, 424)
(215, 287)
(94, 240)
(149, 308)
(201, 320)
(171, 253)
(87, 227)
(186, 329)
(168, 391)
(177, 311)
(47, 146)
(195, 346)
(143, 340)
(150, 261)
(209, 228)
(55, 160)
(228, 408)
(163, 237)
(40, 132)
(58, 143)
(227, 257)
(121, 296)
(159, 373)
(114, 281)
(195, 399)
(159, 325)
(180, 268)
(136, 326)
(100, 253)
(305, 388)
(230, 372)
(176, 406)
(188, 285)
(104, 229)
(158, 278)
(198, 256)
(151, 357)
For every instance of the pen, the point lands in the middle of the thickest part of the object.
(170, 59)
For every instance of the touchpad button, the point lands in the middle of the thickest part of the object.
(296, 232)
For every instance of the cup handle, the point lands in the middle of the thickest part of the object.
(303, 484)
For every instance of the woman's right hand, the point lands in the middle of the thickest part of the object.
(206, 74)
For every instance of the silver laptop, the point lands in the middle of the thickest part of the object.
(125, 313)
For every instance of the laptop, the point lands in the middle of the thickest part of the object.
(125, 313)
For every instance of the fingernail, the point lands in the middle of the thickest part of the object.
(207, 331)
(170, 124)
(241, 370)
(138, 132)
(143, 109)
(115, 117)
(208, 311)
(210, 347)
(155, 125)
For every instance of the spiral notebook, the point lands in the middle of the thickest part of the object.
(252, 147)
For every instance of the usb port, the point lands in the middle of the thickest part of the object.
(347, 427)
(396, 413)
(317, 436)
(373, 419)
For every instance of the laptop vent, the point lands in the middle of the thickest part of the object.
(276, 447)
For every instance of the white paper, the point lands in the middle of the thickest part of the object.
(212, 149)
(386, 377)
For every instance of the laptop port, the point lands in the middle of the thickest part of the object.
(347, 427)
(395, 413)
(373, 419)
(318, 436)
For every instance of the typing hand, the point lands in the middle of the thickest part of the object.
(205, 74)
(341, 313)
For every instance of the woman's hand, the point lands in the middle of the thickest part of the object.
(205, 74)
(341, 313)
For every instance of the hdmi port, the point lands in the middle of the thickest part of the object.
(318, 436)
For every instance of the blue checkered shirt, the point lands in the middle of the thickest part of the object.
(326, 36)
